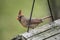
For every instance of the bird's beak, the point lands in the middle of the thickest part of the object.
(17, 18)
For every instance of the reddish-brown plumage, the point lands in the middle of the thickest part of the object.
(34, 22)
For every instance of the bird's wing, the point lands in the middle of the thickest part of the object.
(35, 21)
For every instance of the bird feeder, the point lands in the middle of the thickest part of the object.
(50, 31)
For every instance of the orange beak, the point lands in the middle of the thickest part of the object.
(17, 18)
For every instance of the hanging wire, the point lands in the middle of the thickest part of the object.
(32, 12)
(50, 10)
(31, 15)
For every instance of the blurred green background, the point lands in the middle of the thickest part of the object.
(9, 25)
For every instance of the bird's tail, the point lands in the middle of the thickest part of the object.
(46, 17)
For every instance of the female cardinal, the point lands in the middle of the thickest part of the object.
(34, 22)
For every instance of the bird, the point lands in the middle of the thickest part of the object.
(25, 21)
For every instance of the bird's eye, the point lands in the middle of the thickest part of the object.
(20, 16)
